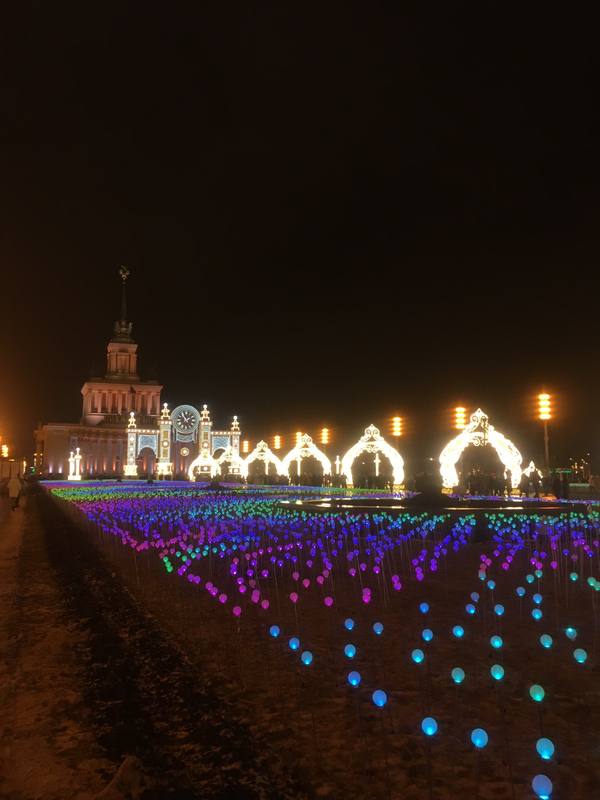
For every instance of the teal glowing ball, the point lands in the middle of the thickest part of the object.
(538, 573)
(294, 643)
(379, 698)
(537, 598)
(537, 614)
(479, 738)
(546, 640)
(354, 678)
(537, 692)
(580, 655)
(470, 608)
(458, 631)
(520, 591)
(499, 609)
(497, 672)
(573, 576)
(529, 578)
(424, 608)
(306, 658)
(545, 748)
(274, 631)
(591, 581)
(458, 675)
(417, 656)
(427, 634)
(349, 624)
(429, 726)
(571, 633)
(349, 651)
(491, 585)
(542, 786)
(378, 628)
(496, 642)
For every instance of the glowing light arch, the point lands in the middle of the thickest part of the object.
(305, 449)
(205, 463)
(233, 457)
(262, 452)
(373, 442)
(479, 433)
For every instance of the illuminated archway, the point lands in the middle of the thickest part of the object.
(479, 433)
(373, 442)
(206, 466)
(305, 449)
(262, 452)
(231, 456)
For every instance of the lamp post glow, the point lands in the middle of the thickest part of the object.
(245, 446)
(397, 427)
(545, 414)
(460, 418)
(277, 442)
(325, 437)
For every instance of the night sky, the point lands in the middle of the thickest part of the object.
(331, 214)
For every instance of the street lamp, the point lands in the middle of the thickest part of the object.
(397, 427)
(545, 414)
(324, 435)
(277, 442)
(460, 418)
(298, 438)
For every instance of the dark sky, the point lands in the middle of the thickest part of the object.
(332, 212)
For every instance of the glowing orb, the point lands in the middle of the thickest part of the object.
(497, 672)
(427, 634)
(429, 726)
(349, 624)
(537, 614)
(537, 692)
(458, 675)
(379, 698)
(496, 642)
(306, 658)
(294, 643)
(378, 628)
(349, 651)
(580, 655)
(571, 634)
(417, 656)
(498, 609)
(546, 640)
(475, 597)
(479, 737)
(491, 585)
(520, 591)
(470, 608)
(274, 630)
(424, 608)
(545, 748)
(354, 678)
(529, 578)
(542, 786)
(537, 598)
(458, 631)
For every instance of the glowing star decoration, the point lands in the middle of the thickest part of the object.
(373, 442)
(479, 738)
(542, 786)
(479, 433)
(305, 447)
(429, 726)
(545, 748)
(379, 698)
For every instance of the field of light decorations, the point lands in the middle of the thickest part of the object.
(392, 654)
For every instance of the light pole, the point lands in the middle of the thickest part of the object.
(397, 431)
(460, 423)
(545, 414)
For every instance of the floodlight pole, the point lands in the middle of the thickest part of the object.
(547, 446)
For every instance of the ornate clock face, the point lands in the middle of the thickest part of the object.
(185, 419)
(185, 451)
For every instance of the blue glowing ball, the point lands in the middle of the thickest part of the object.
(537, 614)
(537, 598)
(306, 658)
(349, 651)
(542, 786)
(429, 726)
(354, 678)
(546, 640)
(274, 630)
(475, 597)
(458, 631)
(294, 643)
(529, 578)
(497, 672)
(379, 698)
(470, 608)
(580, 655)
(349, 624)
(491, 585)
(378, 628)
(427, 634)
(520, 591)
(424, 608)
(499, 609)
(458, 675)
(496, 642)
(545, 748)
(479, 737)
(571, 633)
(417, 656)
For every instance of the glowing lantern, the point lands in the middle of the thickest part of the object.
(537, 598)
(573, 576)
(429, 726)
(379, 697)
(537, 614)
(458, 675)
(475, 597)
(479, 738)
(545, 748)
(491, 585)
(520, 591)
(470, 608)
(542, 786)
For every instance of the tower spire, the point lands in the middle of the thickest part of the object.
(122, 326)
(124, 273)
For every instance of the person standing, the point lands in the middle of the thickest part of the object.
(14, 491)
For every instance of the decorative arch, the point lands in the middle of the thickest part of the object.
(262, 452)
(373, 442)
(305, 449)
(205, 463)
(231, 456)
(479, 433)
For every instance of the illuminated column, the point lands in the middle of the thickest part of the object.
(377, 463)
(235, 436)
(165, 467)
(77, 460)
(338, 463)
(71, 466)
(130, 470)
(545, 414)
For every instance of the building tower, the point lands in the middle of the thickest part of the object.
(165, 467)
